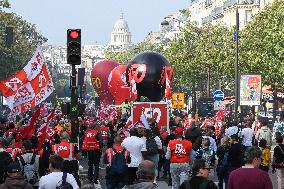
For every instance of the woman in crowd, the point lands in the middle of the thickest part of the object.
(200, 175)
(223, 164)
(265, 157)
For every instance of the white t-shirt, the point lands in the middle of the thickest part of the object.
(54, 179)
(134, 146)
(158, 142)
(231, 131)
(247, 134)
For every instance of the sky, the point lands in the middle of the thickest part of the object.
(94, 17)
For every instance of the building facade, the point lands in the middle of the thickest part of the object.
(120, 36)
(223, 12)
(170, 28)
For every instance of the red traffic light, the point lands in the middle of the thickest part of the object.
(74, 34)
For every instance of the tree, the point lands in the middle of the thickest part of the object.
(4, 4)
(26, 39)
(123, 57)
(200, 54)
(262, 48)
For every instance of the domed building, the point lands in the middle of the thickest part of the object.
(120, 36)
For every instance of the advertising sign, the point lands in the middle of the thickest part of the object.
(178, 100)
(156, 110)
(250, 90)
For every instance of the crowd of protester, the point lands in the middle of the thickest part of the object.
(135, 155)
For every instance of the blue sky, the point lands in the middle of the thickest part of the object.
(95, 17)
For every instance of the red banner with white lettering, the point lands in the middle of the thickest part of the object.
(42, 132)
(156, 110)
(29, 87)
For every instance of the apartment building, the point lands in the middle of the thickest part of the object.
(224, 11)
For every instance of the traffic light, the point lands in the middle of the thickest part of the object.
(9, 36)
(74, 46)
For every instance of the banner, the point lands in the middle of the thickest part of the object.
(156, 110)
(29, 130)
(29, 87)
(250, 90)
(42, 131)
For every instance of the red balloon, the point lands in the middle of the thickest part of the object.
(118, 85)
(99, 78)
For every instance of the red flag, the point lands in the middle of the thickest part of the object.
(29, 87)
(42, 130)
(168, 88)
(133, 91)
(29, 130)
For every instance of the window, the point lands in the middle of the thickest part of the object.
(248, 16)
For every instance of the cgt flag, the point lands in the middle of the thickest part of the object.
(168, 88)
(29, 87)
(133, 90)
(42, 131)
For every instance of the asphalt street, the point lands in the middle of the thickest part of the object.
(162, 183)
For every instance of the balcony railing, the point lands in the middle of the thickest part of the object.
(217, 12)
(230, 3)
(207, 19)
(208, 3)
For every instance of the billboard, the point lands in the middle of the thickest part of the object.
(250, 90)
(156, 110)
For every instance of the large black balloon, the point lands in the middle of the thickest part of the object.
(149, 86)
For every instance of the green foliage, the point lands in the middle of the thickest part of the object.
(211, 48)
(122, 57)
(262, 46)
(4, 4)
(26, 39)
(126, 55)
(199, 51)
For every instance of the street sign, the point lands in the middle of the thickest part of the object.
(178, 100)
(219, 105)
(218, 95)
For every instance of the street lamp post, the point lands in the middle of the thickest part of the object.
(236, 67)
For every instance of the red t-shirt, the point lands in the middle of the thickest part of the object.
(249, 178)
(180, 151)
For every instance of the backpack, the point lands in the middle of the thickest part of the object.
(29, 171)
(117, 163)
(64, 184)
(151, 146)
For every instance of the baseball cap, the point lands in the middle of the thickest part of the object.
(13, 167)
(179, 130)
